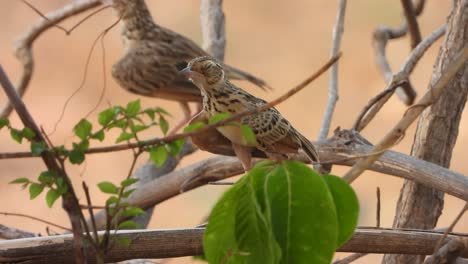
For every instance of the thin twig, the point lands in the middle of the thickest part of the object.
(350, 258)
(91, 213)
(37, 219)
(23, 46)
(376, 103)
(338, 31)
(377, 216)
(411, 115)
(450, 228)
(411, 21)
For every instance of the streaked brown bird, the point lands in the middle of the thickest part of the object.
(154, 55)
(275, 136)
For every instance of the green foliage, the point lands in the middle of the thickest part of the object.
(4, 122)
(218, 117)
(35, 189)
(193, 127)
(281, 213)
(133, 108)
(158, 155)
(248, 135)
(108, 187)
(83, 129)
(38, 147)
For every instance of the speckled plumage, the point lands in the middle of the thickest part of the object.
(154, 55)
(275, 135)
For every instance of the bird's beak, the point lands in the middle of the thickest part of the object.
(186, 72)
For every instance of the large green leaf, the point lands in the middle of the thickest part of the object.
(303, 214)
(347, 207)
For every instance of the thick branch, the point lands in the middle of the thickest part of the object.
(7, 232)
(212, 25)
(188, 242)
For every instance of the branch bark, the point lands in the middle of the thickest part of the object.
(420, 206)
(188, 242)
(213, 29)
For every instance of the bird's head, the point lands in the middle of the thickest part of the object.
(123, 7)
(204, 72)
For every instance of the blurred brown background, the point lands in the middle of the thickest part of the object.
(281, 41)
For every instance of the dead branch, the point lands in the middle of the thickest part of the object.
(23, 45)
(338, 31)
(188, 242)
(350, 258)
(411, 114)
(7, 232)
(376, 103)
(447, 253)
(212, 26)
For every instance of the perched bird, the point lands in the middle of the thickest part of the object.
(275, 136)
(154, 55)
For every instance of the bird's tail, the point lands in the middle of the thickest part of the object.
(234, 73)
(308, 148)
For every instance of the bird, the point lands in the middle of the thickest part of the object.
(275, 136)
(154, 55)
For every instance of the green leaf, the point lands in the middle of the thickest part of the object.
(76, 156)
(161, 111)
(150, 113)
(302, 213)
(38, 147)
(128, 225)
(132, 211)
(83, 129)
(16, 135)
(108, 187)
(248, 136)
(112, 200)
(133, 108)
(238, 230)
(47, 177)
(175, 146)
(126, 194)
(123, 241)
(124, 136)
(218, 117)
(128, 182)
(163, 124)
(158, 155)
(106, 116)
(28, 133)
(138, 128)
(194, 126)
(98, 135)
(4, 122)
(34, 190)
(52, 196)
(19, 181)
(346, 204)
(119, 123)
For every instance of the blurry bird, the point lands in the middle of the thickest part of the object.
(154, 55)
(275, 136)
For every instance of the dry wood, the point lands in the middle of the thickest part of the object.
(188, 242)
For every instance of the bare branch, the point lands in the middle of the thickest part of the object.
(411, 21)
(7, 232)
(23, 46)
(212, 25)
(350, 258)
(448, 253)
(411, 114)
(333, 84)
(188, 242)
(376, 103)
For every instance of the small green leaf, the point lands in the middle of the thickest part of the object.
(83, 129)
(108, 187)
(133, 108)
(47, 177)
(98, 135)
(128, 182)
(218, 117)
(138, 128)
(128, 225)
(123, 241)
(163, 124)
(52, 196)
(4, 122)
(61, 150)
(161, 111)
(28, 133)
(112, 200)
(150, 113)
(38, 147)
(158, 155)
(194, 126)
(106, 116)
(126, 194)
(16, 135)
(132, 211)
(35, 189)
(19, 181)
(76, 156)
(248, 135)
(124, 136)
(175, 146)
(122, 123)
